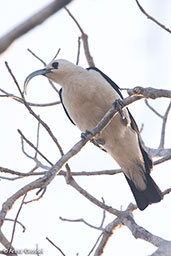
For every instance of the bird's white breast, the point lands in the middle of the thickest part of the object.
(87, 97)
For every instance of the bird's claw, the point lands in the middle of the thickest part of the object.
(85, 134)
(118, 104)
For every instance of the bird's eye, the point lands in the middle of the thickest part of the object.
(55, 65)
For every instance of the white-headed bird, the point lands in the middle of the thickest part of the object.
(86, 95)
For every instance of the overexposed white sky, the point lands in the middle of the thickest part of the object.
(130, 49)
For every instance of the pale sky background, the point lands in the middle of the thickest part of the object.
(130, 49)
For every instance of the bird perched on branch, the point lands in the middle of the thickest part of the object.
(86, 95)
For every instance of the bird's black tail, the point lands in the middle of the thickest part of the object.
(152, 193)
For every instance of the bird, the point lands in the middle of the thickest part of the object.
(86, 95)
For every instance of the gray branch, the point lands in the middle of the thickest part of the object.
(31, 22)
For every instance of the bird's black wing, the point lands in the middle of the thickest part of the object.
(147, 159)
(115, 87)
(133, 123)
(60, 95)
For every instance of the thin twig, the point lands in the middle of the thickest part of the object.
(109, 229)
(166, 192)
(78, 52)
(35, 148)
(15, 80)
(84, 38)
(94, 173)
(20, 100)
(152, 109)
(37, 57)
(55, 246)
(38, 198)
(94, 246)
(15, 221)
(18, 222)
(76, 186)
(163, 131)
(164, 118)
(83, 221)
(104, 215)
(6, 170)
(43, 104)
(37, 144)
(56, 55)
(151, 18)
(163, 159)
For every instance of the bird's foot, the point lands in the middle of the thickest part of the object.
(85, 134)
(118, 104)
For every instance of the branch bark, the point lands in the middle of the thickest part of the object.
(151, 18)
(149, 92)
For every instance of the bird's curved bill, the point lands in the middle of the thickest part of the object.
(33, 74)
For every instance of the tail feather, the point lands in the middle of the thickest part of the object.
(152, 193)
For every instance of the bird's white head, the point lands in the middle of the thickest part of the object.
(58, 71)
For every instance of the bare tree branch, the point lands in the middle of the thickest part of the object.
(163, 159)
(83, 221)
(162, 139)
(142, 233)
(4, 241)
(20, 100)
(159, 152)
(94, 246)
(37, 198)
(6, 170)
(55, 246)
(164, 250)
(106, 235)
(78, 53)
(149, 92)
(31, 22)
(152, 109)
(35, 148)
(107, 208)
(84, 38)
(164, 118)
(38, 137)
(37, 57)
(18, 222)
(151, 18)
(15, 221)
